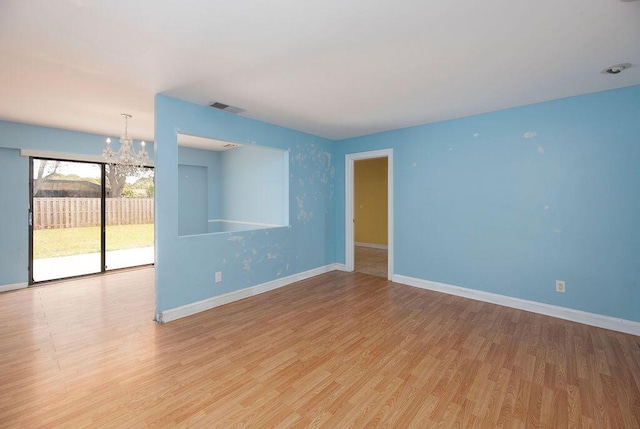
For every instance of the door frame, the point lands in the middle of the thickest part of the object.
(349, 239)
(103, 218)
(103, 270)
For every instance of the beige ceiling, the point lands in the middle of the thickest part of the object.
(334, 68)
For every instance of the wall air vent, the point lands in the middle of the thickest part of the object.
(226, 107)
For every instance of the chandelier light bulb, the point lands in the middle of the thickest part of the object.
(126, 155)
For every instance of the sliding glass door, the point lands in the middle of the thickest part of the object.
(66, 219)
(129, 216)
(87, 218)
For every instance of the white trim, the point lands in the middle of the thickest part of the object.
(216, 301)
(245, 223)
(70, 156)
(285, 187)
(598, 320)
(349, 210)
(15, 286)
(340, 267)
(371, 245)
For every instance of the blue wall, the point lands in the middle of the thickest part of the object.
(14, 233)
(194, 209)
(510, 201)
(193, 198)
(14, 192)
(253, 185)
(185, 266)
(242, 184)
(505, 202)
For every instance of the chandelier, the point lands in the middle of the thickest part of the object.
(127, 154)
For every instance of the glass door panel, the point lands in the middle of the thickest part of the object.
(129, 216)
(66, 219)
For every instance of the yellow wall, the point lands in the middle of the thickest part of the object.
(370, 201)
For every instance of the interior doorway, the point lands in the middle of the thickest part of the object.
(377, 247)
(88, 218)
(370, 216)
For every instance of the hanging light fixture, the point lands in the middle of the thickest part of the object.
(127, 154)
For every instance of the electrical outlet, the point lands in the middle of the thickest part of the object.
(560, 286)
(218, 276)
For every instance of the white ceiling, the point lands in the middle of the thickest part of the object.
(334, 68)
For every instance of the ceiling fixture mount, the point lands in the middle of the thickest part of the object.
(616, 69)
(127, 154)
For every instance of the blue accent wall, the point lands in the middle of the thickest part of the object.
(185, 266)
(510, 201)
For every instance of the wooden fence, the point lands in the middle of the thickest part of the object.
(79, 212)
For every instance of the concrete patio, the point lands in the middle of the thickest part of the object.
(76, 265)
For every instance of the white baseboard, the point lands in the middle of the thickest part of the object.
(592, 319)
(216, 301)
(371, 245)
(598, 320)
(15, 286)
(340, 267)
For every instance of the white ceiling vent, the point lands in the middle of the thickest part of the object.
(226, 107)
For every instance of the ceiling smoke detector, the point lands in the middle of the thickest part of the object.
(225, 107)
(616, 69)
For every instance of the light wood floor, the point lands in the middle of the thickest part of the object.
(371, 261)
(336, 351)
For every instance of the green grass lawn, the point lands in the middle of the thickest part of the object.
(49, 243)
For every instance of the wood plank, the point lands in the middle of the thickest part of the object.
(337, 350)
